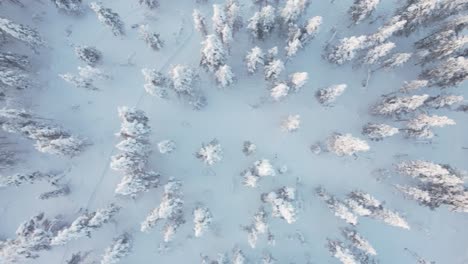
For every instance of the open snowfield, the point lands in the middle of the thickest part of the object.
(244, 111)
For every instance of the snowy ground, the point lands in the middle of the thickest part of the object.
(231, 117)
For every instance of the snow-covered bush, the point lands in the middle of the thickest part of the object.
(328, 95)
(279, 91)
(291, 123)
(202, 219)
(282, 202)
(120, 248)
(166, 146)
(210, 153)
(346, 145)
(443, 100)
(89, 55)
(358, 241)
(249, 148)
(260, 168)
(297, 80)
(259, 226)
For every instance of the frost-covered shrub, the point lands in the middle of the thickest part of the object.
(170, 210)
(85, 224)
(379, 131)
(108, 18)
(120, 248)
(166, 146)
(89, 55)
(210, 153)
(396, 60)
(282, 202)
(49, 138)
(260, 168)
(202, 219)
(328, 95)
(346, 145)
(183, 82)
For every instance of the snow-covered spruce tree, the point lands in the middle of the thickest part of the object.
(259, 226)
(32, 237)
(440, 45)
(338, 208)
(238, 256)
(273, 69)
(378, 132)
(282, 202)
(85, 224)
(292, 11)
(419, 126)
(376, 53)
(396, 60)
(449, 73)
(61, 190)
(271, 55)
(183, 82)
(346, 145)
(210, 153)
(120, 248)
(218, 19)
(437, 184)
(89, 55)
(199, 22)
(169, 210)
(14, 70)
(443, 100)
(78, 81)
(260, 168)
(202, 219)
(394, 105)
(18, 179)
(346, 49)
(293, 47)
(133, 159)
(254, 58)
(49, 138)
(262, 23)
(339, 251)
(213, 54)
(279, 91)
(224, 76)
(151, 4)
(155, 82)
(226, 36)
(416, 13)
(151, 39)
(390, 28)
(328, 95)
(78, 258)
(109, 18)
(248, 148)
(92, 73)
(166, 146)
(291, 123)
(22, 33)
(234, 19)
(73, 7)
(362, 9)
(410, 86)
(357, 241)
(364, 204)
(297, 80)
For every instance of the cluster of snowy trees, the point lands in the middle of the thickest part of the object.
(435, 185)
(361, 204)
(135, 149)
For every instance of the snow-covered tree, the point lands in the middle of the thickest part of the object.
(293, 47)
(279, 91)
(14, 70)
(108, 18)
(183, 79)
(394, 105)
(18, 179)
(297, 80)
(218, 19)
(78, 81)
(328, 95)
(32, 237)
(22, 33)
(262, 23)
(199, 22)
(69, 6)
(291, 123)
(338, 208)
(213, 54)
(390, 28)
(413, 85)
(346, 49)
(210, 153)
(416, 13)
(396, 60)
(254, 58)
(49, 138)
(233, 15)
(451, 72)
(224, 76)
(151, 4)
(379, 131)
(85, 224)
(260, 168)
(346, 145)
(273, 69)
(238, 256)
(443, 100)
(423, 120)
(248, 148)
(120, 248)
(155, 82)
(293, 10)
(440, 45)
(364, 204)
(357, 241)
(78, 258)
(133, 158)
(362, 9)
(151, 39)
(341, 252)
(202, 219)
(313, 25)
(166, 146)
(259, 226)
(170, 210)
(282, 202)
(90, 55)
(378, 52)
(61, 190)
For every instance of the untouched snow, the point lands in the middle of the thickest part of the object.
(244, 111)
